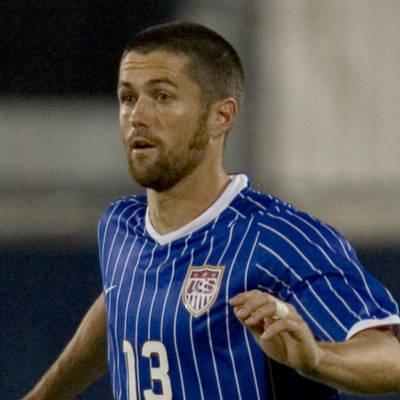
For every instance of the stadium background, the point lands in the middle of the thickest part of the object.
(320, 128)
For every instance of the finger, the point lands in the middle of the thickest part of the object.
(252, 302)
(282, 325)
(296, 328)
(265, 311)
(243, 313)
(274, 310)
(263, 307)
(281, 310)
(241, 298)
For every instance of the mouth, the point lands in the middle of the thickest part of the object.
(141, 144)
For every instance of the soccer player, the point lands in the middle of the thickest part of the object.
(206, 279)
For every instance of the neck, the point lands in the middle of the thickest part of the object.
(189, 198)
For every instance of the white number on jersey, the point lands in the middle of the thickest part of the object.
(156, 373)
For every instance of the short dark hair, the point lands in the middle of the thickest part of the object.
(213, 63)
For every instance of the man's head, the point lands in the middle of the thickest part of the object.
(213, 63)
(179, 88)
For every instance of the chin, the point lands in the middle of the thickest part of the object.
(160, 182)
(165, 173)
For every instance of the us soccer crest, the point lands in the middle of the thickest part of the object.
(201, 288)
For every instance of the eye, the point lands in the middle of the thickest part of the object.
(126, 98)
(163, 97)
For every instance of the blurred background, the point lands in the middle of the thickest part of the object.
(319, 128)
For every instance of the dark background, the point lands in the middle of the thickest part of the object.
(72, 48)
(69, 47)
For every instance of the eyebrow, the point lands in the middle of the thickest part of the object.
(151, 82)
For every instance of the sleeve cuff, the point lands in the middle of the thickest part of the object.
(372, 323)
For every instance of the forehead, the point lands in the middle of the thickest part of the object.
(153, 65)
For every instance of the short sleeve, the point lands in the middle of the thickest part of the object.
(320, 274)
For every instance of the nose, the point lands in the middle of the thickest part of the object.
(141, 112)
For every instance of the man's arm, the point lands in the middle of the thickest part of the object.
(82, 362)
(368, 363)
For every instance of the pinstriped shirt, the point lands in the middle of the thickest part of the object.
(170, 330)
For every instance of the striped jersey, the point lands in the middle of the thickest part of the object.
(170, 330)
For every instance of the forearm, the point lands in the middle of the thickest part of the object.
(367, 364)
(83, 360)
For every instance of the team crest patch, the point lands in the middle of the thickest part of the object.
(201, 288)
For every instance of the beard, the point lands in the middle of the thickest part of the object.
(172, 164)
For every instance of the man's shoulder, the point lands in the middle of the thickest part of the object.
(274, 216)
(253, 203)
(128, 202)
(140, 199)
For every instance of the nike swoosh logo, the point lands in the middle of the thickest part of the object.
(108, 290)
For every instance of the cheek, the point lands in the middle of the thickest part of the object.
(124, 124)
(123, 118)
(181, 126)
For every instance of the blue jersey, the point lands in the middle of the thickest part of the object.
(171, 332)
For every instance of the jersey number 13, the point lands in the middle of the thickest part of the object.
(160, 373)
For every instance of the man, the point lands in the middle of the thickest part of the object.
(205, 278)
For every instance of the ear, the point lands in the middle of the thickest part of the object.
(222, 116)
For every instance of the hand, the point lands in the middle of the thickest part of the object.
(287, 340)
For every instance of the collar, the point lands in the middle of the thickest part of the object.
(237, 184)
